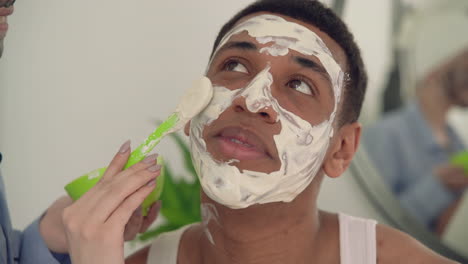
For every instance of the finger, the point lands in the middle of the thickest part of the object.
(114, 193)
(124, 211)
(458, 178)
(134, 224)
(465, 181)
(151, 216)
(118, 162)
(458, 170)
(89, 204)
(119, 184)
(144, 164)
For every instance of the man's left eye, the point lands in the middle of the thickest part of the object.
(235, 66)
(300, 86)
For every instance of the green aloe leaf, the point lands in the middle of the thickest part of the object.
(167, 227)
(180, 199)
(186, 154)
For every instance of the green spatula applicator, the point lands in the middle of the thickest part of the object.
(192, 103)
(461, 159)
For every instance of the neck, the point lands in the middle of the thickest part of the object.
(269, 233)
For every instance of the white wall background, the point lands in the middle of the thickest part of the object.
(78, 78)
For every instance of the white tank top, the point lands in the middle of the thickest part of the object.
(357, 243)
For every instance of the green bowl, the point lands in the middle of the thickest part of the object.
(81, 185)
(461, 159)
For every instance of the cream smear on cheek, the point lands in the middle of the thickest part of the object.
(301, 146)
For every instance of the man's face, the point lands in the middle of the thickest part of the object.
(301, 85)
(278, 83)
(4, 13)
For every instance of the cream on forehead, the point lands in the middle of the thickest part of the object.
(271, 28)
(285, 36)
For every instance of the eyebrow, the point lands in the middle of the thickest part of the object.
(240, 45)
(310, 64)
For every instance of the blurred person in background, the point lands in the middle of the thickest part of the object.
(412, 146)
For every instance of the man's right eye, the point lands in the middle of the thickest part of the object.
(235, 66)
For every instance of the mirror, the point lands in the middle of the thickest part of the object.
(416, 150)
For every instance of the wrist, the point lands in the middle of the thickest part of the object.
(52, 229)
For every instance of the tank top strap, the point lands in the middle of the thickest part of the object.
(358, 243)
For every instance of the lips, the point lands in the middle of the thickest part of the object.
(241, 144)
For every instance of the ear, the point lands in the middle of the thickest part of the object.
(187, 128)
(342, 149)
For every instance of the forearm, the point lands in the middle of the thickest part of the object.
(51, 226)
(426, 198)
(34, 249)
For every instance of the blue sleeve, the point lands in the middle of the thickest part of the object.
(33, 249)
(423, 198)
(379, 142)
(426, 198)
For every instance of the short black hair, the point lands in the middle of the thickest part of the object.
(316, 14)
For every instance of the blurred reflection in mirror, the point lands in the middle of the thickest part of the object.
(413, 147)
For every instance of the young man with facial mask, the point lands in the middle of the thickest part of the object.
(288, 86)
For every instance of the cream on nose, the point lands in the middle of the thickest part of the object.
(267, 113)
(257, 95)
(257, 98)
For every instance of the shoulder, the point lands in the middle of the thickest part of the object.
(394, 246)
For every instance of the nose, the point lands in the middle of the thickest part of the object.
(267, 114)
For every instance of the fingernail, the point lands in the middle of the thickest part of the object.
(150, 159)
(156, 206)
(125, 147)
(151, 183)
(154, 168)
(138, 211)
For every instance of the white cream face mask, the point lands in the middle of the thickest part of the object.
(301, 146)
